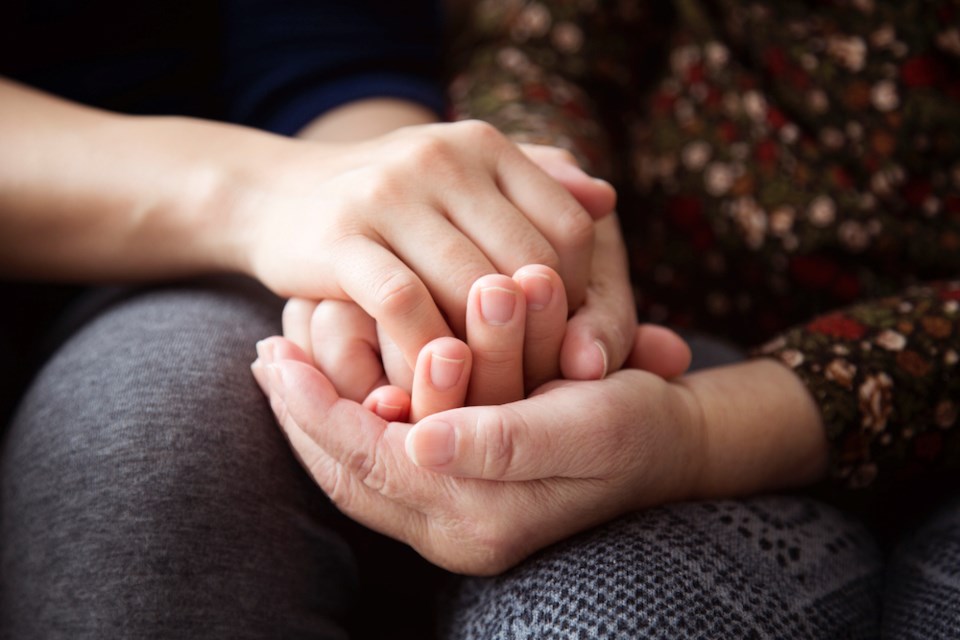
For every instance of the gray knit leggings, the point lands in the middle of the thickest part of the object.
(147, 493)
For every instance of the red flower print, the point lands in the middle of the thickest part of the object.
(767, 152)
(728, 131)
(920, 71)
(837, 325)
(695, 73)
(775, 118)
(950, 294)
(538, 92)
(841, 177)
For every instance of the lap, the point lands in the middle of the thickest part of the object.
(146, 491)
(764, 567)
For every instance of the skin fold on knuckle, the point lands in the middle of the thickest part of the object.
(493, 438)
(573, 227)
(398, 293)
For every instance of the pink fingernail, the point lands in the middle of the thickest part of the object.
(445, 372)
(497, 304)
(431, 444)
(604, 358)
(265, 351)
(275, 378)
(537, 289)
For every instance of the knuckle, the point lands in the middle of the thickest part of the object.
(429, 153)
(384, 186)
(496, 441)
(574, 227)
(481, 132)
(368, 466)
(535, 249)
(563, 155)
(398, 292)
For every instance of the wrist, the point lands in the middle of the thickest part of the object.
(759, 430)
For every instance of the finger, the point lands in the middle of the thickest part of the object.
(399, 373)
(546, 322)
(390, 403)
(660, 351)
(548, 435)
(277, 347)
(391, 293)
(600, 334)
(345, 348)
(496, 314)
(441, 377)
(597, 196)
(449, 259)
(556, 214)
(297, 313)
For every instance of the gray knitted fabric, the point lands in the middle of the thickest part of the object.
(763, 568)
(145, 492)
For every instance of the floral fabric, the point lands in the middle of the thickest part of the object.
(789, 174)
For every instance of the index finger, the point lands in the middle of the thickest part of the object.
(390, 292)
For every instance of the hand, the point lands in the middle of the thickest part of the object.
(599, 448)
(597, 340)
(508, 355)
(381, 222)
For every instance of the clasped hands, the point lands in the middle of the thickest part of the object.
(480, 453)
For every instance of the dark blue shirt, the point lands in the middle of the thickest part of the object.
(273, 64)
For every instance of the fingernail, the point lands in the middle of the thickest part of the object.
(602, 182)
(604, 357)
(497, 304)
(444, 372)
(431, 444)
(265, 350)
(275, 378)
(256, 368)
(390, 412)
(537, 289)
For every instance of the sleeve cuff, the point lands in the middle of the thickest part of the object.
(313, 101)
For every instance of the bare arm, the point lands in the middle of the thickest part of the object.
(91, 195)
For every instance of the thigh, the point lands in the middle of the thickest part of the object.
(146, 491)
(922, 594)
(759, 568)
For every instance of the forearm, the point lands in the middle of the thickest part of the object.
(91, 195)
(760, 430)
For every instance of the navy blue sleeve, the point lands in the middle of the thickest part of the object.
(287, 61)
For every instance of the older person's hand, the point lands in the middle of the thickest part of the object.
(638, 437)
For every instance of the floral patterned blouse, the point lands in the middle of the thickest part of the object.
(789, 175)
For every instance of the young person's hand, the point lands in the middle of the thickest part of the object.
(403, 224)
(356, 357)
(514, 329)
